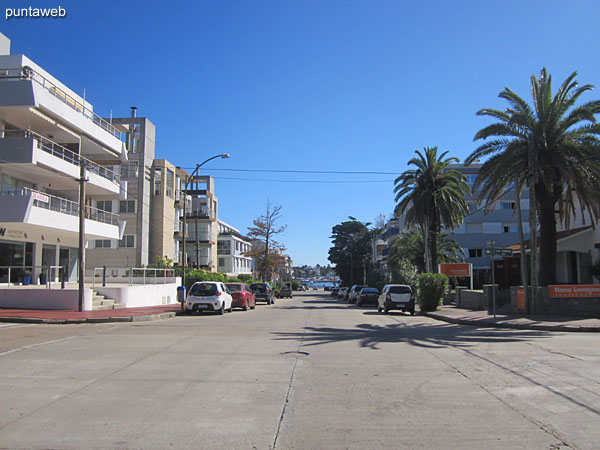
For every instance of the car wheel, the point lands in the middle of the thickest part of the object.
(358, 303)
(222, 310)
(246, 307)
(378, 309)
(253, 306)
(230, 308)
(188, 311)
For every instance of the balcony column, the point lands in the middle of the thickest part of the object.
(37, 262)
(2, 128)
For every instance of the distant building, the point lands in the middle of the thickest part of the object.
(232, 250)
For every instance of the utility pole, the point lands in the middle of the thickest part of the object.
(82, 211)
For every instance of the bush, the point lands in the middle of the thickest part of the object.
(431, 288)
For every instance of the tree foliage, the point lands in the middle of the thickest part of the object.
(431, 195)
(351, 251)
(266, 251)
(559, 141)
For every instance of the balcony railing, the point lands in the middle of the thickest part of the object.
(61, 205)
(179, 227)
(200, 211)
(27, 73)
(65, 154)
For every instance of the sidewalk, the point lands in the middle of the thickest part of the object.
(452, 314)
(70, 317)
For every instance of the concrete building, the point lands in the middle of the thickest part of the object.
(47, 133)
(232, 249)
(200, 249)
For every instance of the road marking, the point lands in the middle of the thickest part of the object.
(27, 347)
(12, 325)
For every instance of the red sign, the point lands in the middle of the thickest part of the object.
(456, 269)
(574, 290)
(521, 299)
(39, 197)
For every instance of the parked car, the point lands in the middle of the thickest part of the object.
(396, 296)
(263, 292)
(212, 296)
(242, 296)
(286, 291)
(354, 292)
(342, 292)
(302, 288)
(367, 295)
(334, 291)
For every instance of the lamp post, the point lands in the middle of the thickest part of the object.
(187, 184)
(351, 277)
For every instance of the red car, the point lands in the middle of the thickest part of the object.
(242, 296)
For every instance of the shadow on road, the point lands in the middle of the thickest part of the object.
(418, 334)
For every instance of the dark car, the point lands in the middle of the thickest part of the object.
(286, 291)
(367, 295)
(353, 292)
(263, 292)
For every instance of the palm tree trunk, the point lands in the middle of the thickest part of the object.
(547, 241)
(426, 247)
(524, 275)
(532, 230)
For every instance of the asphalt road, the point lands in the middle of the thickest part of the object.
(306, 373)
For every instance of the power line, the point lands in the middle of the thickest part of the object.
(322, 172)
(306, 181)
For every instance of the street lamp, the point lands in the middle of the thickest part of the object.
(187, 184)
(351, 278)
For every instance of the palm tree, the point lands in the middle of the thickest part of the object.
(410, 246)
(432, 196)
(553, 146)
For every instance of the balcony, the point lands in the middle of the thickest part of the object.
(33, 210)
(201, 212)
(28, 87)
(178, 229)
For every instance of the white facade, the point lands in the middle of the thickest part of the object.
(47, 132)
(231, 252)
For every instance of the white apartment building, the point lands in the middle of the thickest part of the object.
(47, 132)
(232, 250)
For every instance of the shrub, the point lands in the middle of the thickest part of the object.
(245, 278)
(430, 290)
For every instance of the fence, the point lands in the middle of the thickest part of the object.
(131, 276)
(23, 274)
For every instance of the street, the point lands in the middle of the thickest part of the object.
(306, 373)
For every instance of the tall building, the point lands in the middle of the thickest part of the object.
(47, 134)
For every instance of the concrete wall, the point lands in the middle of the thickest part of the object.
(576, 306)
(138, 296)
(468, 299)
(62, 299)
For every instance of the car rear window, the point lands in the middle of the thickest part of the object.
(400, 290)
(235, 287)
(203, 289)
(370, 290)
(259, 287)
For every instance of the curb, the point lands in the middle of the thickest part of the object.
(37, 320)
(511, 325)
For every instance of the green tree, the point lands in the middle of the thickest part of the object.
(410, 246)
(431, 196)
(351, 238)
(552, 145)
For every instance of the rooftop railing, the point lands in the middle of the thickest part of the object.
(65, 154)
(27, 73)
(61, 205)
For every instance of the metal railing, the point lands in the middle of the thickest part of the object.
(69, 156)
(132, 276)
(61, 205)
(200, 211)
(27, 73)
(47, 274)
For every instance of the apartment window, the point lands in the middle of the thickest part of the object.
(221, 262)
(157, 181)
(104, 205)
(224, 247)
(102, 243)
(475, 253)
(127, 206)
(507, 205)
(129, 169)
(128, 241)
(471, 177)
(170, 176)
(510, 228)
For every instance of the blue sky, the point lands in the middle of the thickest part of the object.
(307, 85)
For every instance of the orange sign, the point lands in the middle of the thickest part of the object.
(456, 269)
(574, 290)
(521, 299)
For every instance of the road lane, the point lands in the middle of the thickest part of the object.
(308, 372)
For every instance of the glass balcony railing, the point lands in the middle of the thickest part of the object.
(27, 73)
(61, 205)
(67, 155)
